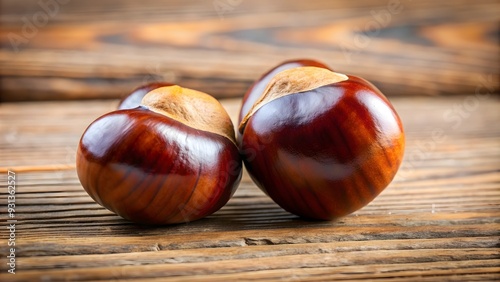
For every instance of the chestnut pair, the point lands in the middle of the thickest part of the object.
(321, 144)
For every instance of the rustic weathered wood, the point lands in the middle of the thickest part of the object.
(439, 220)
(107, 48)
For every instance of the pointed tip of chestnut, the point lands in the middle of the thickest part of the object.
(293, 81)
(192, 108)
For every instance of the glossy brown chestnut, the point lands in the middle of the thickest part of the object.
(256, 90)
(321, 144)
(173, 159)
(133, 100)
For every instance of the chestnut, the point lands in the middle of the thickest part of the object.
(173, 159)
(134, 99)
(321, 144)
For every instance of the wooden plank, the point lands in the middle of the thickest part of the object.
(251, 251)
(289, 262)
(438, 220)
(88, 51)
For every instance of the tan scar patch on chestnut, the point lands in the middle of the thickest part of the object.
(293, 81)
(192, 108)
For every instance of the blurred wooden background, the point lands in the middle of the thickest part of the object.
(63, 49)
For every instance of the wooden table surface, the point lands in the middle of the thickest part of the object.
(439, 220)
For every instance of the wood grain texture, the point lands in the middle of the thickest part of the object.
(106, 48)
(439, 220)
